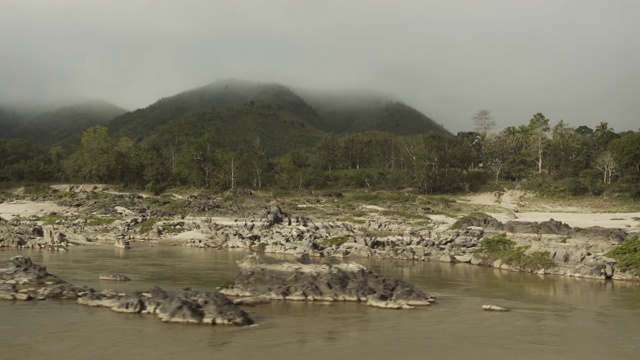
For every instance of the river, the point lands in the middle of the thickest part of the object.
(552, 317)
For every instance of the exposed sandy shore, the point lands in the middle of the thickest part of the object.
(505, 207)
(23, 208)
(509, 206)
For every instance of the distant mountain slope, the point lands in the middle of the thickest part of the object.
(218, 95)
(268, 124)
(283, 119)
(66, 123)
(8, 121)
(353, 111)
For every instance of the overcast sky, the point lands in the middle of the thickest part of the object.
(574, 60)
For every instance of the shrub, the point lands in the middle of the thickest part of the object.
(497, 244)
(145, 226)
(227, 284)
(476, 218)
(505, 249)
(627, 255)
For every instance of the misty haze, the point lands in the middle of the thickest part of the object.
(304, 179)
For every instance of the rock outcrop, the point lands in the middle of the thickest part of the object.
(331, 280)
(113, 277)
(22, 271)
(21, 279)
(193, 307)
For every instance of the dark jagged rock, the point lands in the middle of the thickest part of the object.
(198, 307)
(21, 270)
(113, 277)
(122, 242)
(273, 215)
(211, 307)
(332, 280)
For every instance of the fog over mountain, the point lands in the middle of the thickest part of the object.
(575, 60)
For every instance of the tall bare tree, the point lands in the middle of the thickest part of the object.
(484, 122)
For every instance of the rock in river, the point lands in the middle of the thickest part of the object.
(21, 279)
(331, 280)
(113, 277)
(21, 270)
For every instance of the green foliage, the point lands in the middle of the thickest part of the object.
(497, 244)
(477, 179)
(96, 159)
(145, 225)
(232, 134)
(627, 255)
(227, 284)
(260, 247)
(473, 219)
(505, 249)
(64, 125)
(336, 241)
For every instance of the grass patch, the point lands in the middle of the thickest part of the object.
(227, 284)
(335, 241)
(171, 229)
(627, 256)
(502, 248)
(145, 226)
(352, 220)
(100, 220)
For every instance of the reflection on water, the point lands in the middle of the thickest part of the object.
(551, 318)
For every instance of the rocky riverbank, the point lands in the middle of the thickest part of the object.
(90, 216)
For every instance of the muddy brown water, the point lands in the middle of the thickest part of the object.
(551, 318)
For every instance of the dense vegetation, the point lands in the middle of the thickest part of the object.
(499, 247)
(229, 135)
(56, 126)
(627, 256)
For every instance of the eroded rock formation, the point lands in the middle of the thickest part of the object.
(330, 280)
(21, 279)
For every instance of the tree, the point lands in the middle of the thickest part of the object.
(230, 162)
(627, 151)
(495, 155)
(198, 159)
(563, 149)
(353, 150)
(95, 160)
(603, 135)
(328, 151)
(539, 127)
(484, 123)
(259, 162)
(607, 165)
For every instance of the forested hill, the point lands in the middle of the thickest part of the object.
(220, 96)
(330, 113)
(58, 125)
(8, 121)
(357, 111)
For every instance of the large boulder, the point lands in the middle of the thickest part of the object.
(266, 277)
(21, 270)
(200, 307)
